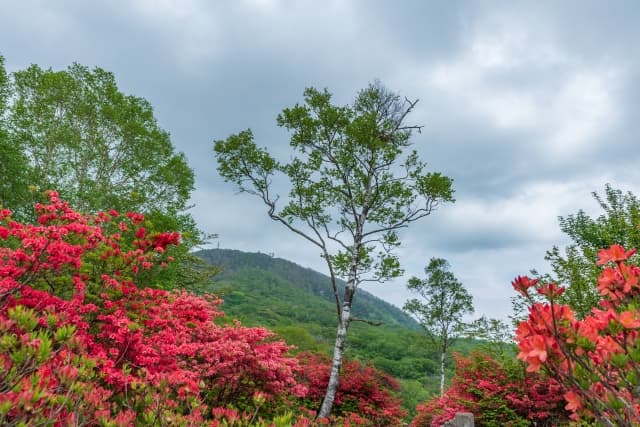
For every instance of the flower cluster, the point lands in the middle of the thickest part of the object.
(86, 338)
(365, 395)
(82, 342)
(497, 393)
(597, 359)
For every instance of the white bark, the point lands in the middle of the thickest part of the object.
(442, 356)
(338, 352)
(338, 348)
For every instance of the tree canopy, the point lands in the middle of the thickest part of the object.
(576, 267)
(443, 301)
(75, 132)
(13, 163)
(99, 147)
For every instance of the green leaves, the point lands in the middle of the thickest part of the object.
(24, 317)
(13, 163)
(75, 132)
(619, 223)
(585, 343)
(435, 184)
(98, 147)
(65, 333)
(442, 304)
(349, 189)
(240, 161)
(347, 182)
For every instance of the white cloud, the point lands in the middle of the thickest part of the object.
(512, 236)
(519, 79)
(583, 110)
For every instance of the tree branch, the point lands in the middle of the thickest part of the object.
(368, 322)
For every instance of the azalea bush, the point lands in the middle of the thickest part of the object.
(497, 392)
(366, 396)
(88, 338)
(597, 358)
(83, 341)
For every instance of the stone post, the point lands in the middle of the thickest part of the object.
(462, 419)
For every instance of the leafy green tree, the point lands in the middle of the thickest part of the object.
(444, 301)
(97, 146)
(352, 186)
(75, 132)
(13, 163)
(576, 268)
(495, 336)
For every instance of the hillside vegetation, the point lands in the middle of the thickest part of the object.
(293, 283)
(296, 303)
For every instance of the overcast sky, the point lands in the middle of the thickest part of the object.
(528, 106)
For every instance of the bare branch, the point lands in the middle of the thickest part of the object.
(368, 322)
(335, 237)
(332, 274)
(411, 217)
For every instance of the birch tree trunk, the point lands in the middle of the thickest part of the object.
(338, 348)
(442, 357)
(336, 365)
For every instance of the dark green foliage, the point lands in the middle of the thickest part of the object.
(254, 267)
(14, 192)
(576, 268)
(414, 392)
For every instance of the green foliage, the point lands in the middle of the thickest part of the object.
(495, 337)
(445, 298)
(444, 301)
(13, 163)
(75, 132)
(576, 268)
(414, 392)
(101, 148)
(264, 278)
(4, 86)
(296, 302)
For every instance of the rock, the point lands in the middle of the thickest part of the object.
(462, 419)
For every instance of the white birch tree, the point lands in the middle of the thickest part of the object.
(444, 301)
(353, 185)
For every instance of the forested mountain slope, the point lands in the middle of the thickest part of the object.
(296, 302)
(295, 286)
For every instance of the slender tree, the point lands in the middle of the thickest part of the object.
(352, 186)
(444, 301)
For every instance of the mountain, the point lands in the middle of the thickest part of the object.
(297, 303)
(293, 285)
